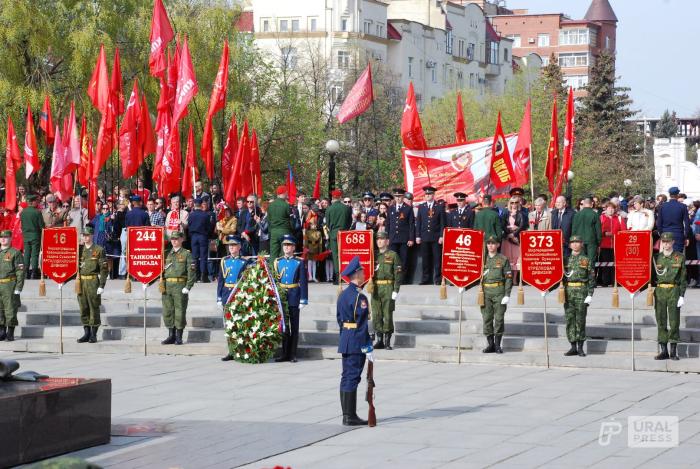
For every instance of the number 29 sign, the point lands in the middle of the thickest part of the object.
(542, 258)
(356, 243)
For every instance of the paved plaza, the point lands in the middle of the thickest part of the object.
(198, 412)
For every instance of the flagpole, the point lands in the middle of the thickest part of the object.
(532, 180)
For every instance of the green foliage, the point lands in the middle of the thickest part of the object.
(667, 126)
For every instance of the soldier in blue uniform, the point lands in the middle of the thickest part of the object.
(199, 227)
(232, 268)
(137, 216)
(401, 228)
(672, 217)
(368, 204)
(430, 222)
(462, 216)
(353, 315)
(293, 287)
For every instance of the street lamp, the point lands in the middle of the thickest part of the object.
(569, 183)
(332, 147)
(628, 184)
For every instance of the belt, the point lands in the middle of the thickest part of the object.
(88, 277)
(575, 284)
(383, 282)
(349, 325)
(496, 284)
(666, 285)
(229, 285)
(176, 279)
(287, 286)
(8, 279)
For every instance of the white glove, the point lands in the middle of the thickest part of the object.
(588, 299)
(185, 291)
(505, 300)
(100, 291)
(219, 304)
(681, 302)
(302, 306)
(394, 294)
(16, 292)
(370, 356)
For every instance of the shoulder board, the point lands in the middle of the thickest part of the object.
(677, 257)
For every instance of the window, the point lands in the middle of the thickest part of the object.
(433, 74)
(492, 52)
(448, 42)
(543, 40)
(344, 24)
(460, 80)
(515, 38)
(578, 59)
(380, 30)
(576, 81)
(265, 25)
(545, 61)
(284, 26)
(470, 51)
(461, 50)
(289, 57)
(313, 24)
(573, 37)
(410, 67)
(367, 27)
(668, 170)
(472, 81)
(337, 93)
(343, 59)
(505, 55)
(607, 42)
(295, 26)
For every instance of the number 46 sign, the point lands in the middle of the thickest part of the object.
(462, 256)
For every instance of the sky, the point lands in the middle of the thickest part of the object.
(657, 43)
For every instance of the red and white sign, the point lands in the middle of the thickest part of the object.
(462, 256)
(633, 259)
(542, 258)
(145, 252)
(356, 243)
(59, 253)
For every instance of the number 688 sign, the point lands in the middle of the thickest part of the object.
(356, 243)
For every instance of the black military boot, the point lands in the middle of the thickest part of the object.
(227, 358)
(178, 336)
(350, 417)
(284, 357)
(497, 344)
(663, 355)
(205, 279)
(2, 333)
(572, 351)
(93, 334)
(171, 337)
(491, 347)
(86, 335)
(581, 353)
(388, 342)
(674, 351)
(380, 341)
(293, 343)
(10, 334)
(37, 274)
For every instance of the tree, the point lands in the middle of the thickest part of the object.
(667, 126)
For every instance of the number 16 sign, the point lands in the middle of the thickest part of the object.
(542, 259)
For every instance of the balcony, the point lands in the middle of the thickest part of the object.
(492, 69)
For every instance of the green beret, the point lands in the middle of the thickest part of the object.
(667, 236)
(5, 234)
(382, 235)
(177, 235)
(31, 198)
(88, 230)
(492, 240)
(575, 239)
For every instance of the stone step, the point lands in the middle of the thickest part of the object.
(118, 334)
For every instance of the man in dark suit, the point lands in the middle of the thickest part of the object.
(462, 216)
(673, 218)
(401, 229)
(247, 226)
(429, 224)
(562, 218)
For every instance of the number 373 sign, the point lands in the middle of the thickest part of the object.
(356, 243)
(542, 258)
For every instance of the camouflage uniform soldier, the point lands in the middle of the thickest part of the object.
(180, 275)
(579, 284)
(387, 281)
(11, 283)
(671, 282)
(497, 283)
(92, 263)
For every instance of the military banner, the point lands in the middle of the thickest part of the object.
(542, 258)
(59, 253)
(356, 243)
(633, 259)
(462, 256)
(145, 252)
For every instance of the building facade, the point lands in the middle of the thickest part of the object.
(671, 167)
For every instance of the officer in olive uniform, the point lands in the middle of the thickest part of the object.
(461, 216)
(579, 283)
(32, 224)
(293, 287)
(11, 283)
(488, 220)
(497, 283)
(671, 282)
(586, 225)
(352, 314)
(338, 218)
(92, 277)
(180, 274)
(387, 281)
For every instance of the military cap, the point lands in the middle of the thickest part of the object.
(337, 193)
(198, 201)
(281, 190)
(398, 191)
(575, 239)
(674, 191)
(5, 234)
(31, 198)
(460, 195)
(667, 236)
(177, 235)
(367, 195)
(519, 191)
(135, 198)
(385, 196)
(452, 206)
(429, 190)
(382, 235)
(352, 267)
(408, 195)
(232, 239)
(492, 240)
(487, 198)
(289, 239)
(88, 230)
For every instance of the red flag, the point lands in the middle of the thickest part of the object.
(217, 102)
(59, 173)
(128, 140)
(501, 167)
(162, 130)
(92, 182)
(191, 172)
(72, 143)
(31, 154)
(550, 171)
(46, 121)
(229, 153)
(359, 98)
(173, 61)
(98, 89)
(411, 128)
(255, 164)
(236, 184)
(12, 162)
(317, 186)
(171, 170)
(145, 135)
(115, 86)
(291, 185)
(460, 127)
(161, 35)
(85, 155)
(568, 146)
(186, 84)
(521, 155)
(105, 141)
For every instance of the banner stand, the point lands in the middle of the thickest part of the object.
(459, 344)
(60, 317)
(546, 337)
(145, 300)
(632, 295)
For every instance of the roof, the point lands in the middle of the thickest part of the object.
(491, 33)
(600, 10)
(245, 22)
(392, 32)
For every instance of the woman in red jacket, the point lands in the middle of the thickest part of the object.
(610, 223)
